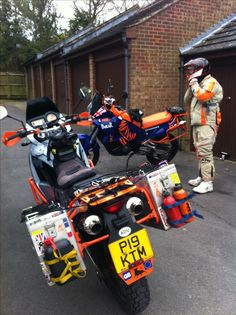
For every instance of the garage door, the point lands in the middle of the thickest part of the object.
(37, 81)
(60, 87)
(113, 69)
(225, 72)
(79, 77)
(47, 82)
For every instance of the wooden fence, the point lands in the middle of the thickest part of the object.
(12, 85)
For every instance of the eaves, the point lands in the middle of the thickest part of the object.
(191, 46)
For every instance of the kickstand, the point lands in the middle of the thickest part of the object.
(127, 162)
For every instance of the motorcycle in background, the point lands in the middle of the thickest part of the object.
(81, 212)
(128, 132)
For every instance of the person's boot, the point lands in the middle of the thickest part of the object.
(203, 187)
(195, 182)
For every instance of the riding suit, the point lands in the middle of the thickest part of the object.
(205, 118)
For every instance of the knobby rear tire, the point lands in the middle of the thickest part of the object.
(132, 298)
(169, 151)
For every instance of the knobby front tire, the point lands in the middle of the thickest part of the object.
(93, 154)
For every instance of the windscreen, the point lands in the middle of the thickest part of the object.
(39, 107)
(96, 103)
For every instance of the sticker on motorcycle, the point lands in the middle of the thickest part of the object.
(38, 238)
(125, 231)
(175, 178)
(148, 264)
(130, 249)
(67, 227)
(106, 125)
(127, 275)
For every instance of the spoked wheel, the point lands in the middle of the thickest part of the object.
(163, 151)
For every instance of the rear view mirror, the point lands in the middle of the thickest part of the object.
(85, 93)
(3, 112)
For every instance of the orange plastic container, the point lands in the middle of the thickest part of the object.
(185, 208)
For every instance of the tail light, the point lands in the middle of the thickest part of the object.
(114, 207)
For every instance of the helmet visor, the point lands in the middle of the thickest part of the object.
(189, 70)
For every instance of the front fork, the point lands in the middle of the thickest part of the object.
(93, 135)
(89, 141)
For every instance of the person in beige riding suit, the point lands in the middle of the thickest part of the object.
(205, 94)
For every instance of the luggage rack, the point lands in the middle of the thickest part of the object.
(105, 190)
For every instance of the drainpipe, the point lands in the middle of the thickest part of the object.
(33, 81)
(53, 81)
(66, 85)
(26, 83)
(126, 68)
(181, 82)
(181, 93)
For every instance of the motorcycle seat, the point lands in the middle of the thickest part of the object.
(156, 119)
(71, 172)
(176, 110)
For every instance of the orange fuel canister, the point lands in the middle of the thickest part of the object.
(185, 208)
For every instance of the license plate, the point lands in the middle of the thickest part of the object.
(130, 249)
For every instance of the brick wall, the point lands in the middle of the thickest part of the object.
(92, 75)
(154, 54)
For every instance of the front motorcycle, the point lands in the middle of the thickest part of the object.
(128, 132)
(79, 212)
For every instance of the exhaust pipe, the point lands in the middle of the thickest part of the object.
(92, 225)
(135, 206)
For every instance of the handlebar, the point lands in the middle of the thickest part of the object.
(22, 133)
(74, 119)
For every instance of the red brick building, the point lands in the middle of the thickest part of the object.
(138, 50)
(218, 45)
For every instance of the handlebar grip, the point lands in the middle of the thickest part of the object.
(85, 118)
(19, 134)
(14, 136)
(76, 119)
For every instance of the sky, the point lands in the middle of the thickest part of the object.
(65, 8)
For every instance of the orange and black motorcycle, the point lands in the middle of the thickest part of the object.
(127, 132)
(80, 212)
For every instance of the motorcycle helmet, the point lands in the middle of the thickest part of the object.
(197, 68)
(108, 102)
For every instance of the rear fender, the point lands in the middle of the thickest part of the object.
(115, 223)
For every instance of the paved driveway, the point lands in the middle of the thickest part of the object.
(195, 270)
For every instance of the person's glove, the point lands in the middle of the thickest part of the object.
(193, 81)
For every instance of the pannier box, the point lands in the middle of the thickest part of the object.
(54, 224)
(164, 178)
